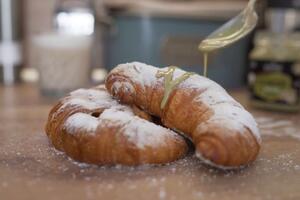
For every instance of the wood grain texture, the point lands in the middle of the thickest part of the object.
(31, 169)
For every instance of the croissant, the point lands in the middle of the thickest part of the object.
(89, 126)
(225, 135)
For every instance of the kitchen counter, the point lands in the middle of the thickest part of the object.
(31, 169)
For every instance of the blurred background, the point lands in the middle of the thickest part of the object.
(61, 45)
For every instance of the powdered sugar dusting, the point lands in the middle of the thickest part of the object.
(89, 99)
(196, 81)
(139, 131)
(138, 72)
(120, 113)
(81, 122)
(235, 117)
(125, 85)
(214, 96)
(143, 133)
(225, 108)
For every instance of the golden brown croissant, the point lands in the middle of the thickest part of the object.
(92, 127)
(223, 132)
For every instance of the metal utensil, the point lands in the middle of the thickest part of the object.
(232, 31)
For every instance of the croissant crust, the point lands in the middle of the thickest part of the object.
(89, 126)
(224, 133)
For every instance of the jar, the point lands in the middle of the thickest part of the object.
(63, 62)
(274, 74)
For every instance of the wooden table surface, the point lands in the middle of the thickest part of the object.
(31, 169)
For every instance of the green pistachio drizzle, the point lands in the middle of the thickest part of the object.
(169, 83)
